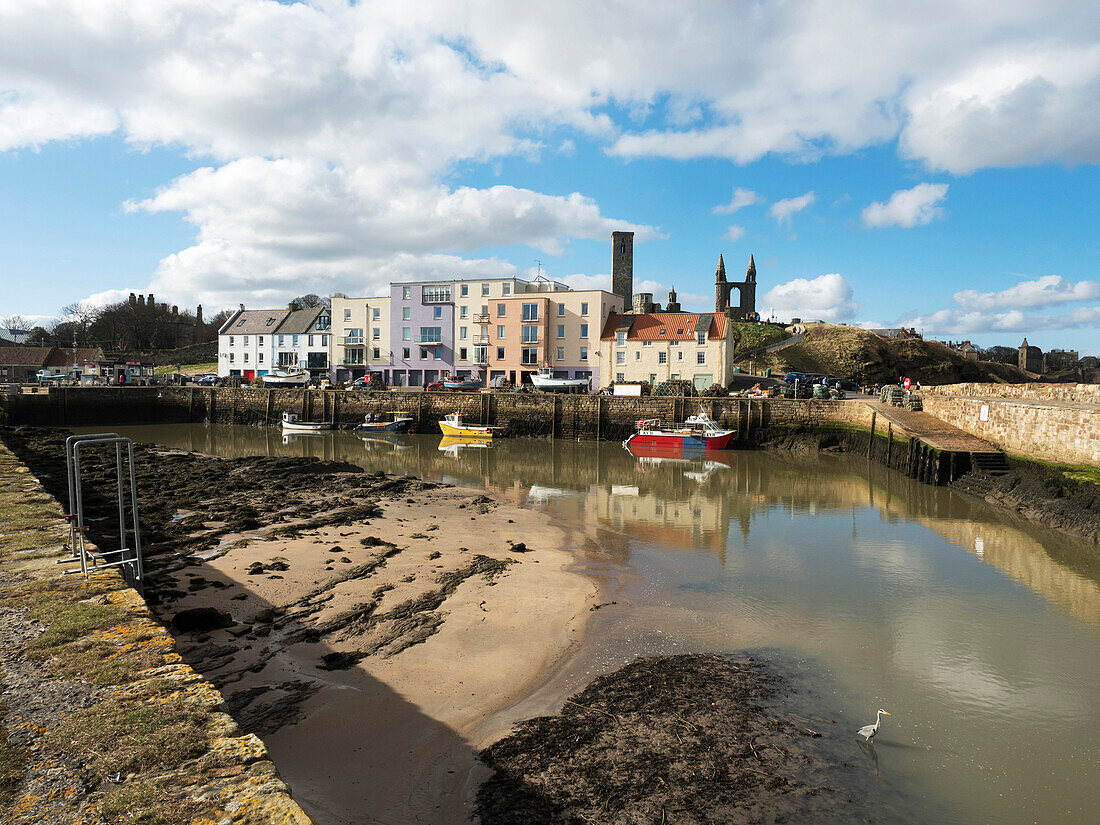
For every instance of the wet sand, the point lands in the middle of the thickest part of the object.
(385, 739)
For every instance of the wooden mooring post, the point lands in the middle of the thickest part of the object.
(871, 442)
(889, 441)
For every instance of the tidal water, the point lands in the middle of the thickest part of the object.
(978, 631)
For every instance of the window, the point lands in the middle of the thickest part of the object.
(500, 331)
(680, 355)
(431, 335)
(246, 357)
(406, 293)
(501, 309)
(661, 331)
(584, 330)
(485, 310)
(561, 353)
(662, 357)
(406, 333)
(462, 333)
(230, 358)
(347, 314)
(648, 343)
(530, 312)
(463, 312)
(376, 334)
(423, 353)
(310, 341)
(505, 289)
(405, 353)
(439, 353)
(260, 357)
(500, 353)
(620, 338)
(530, 334)
(584, 307)
(406, 314)
(561, 310)
(244, 340)
(462, 354)
(280, 340)
(638, 355)
(620, 357)
(584, 353)
(701, 337)
(377, 353)
(260, 340)
(376, 314)
(530, 355)
(464, 290)
(437, 313)
(484, 290)
(323, 322)
(324, 340)
(700, 358)
(561, 330)
(230, 340)
(620, 377)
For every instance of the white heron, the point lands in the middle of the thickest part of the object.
(869, 731)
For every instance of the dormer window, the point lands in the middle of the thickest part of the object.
(270, 321)
(240, 323)
(662, 332)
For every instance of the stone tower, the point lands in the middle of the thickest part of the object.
(673, 304)
(748, 291)
(721, 289)
(622, 266)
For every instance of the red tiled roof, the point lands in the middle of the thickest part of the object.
(666, 326)
(63, 356)
(25, 356)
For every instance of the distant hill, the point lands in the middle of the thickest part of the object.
(850, 352)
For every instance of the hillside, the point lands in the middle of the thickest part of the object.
(747, 338)
(850, 352)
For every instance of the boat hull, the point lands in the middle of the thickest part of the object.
(402, 426)
(304, 428)
(465, 431)
(560, 384)
(462, 385)
(285, 380)
(675, 444)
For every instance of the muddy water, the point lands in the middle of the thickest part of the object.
(978, 631)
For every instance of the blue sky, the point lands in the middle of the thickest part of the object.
(221, 152)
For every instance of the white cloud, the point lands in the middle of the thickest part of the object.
(1047, 290)
(908, 207)
(783, 209)
(826, 297)
(741, 198)
(965, 322)
(734, 233)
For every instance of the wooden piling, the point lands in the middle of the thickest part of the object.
(270, 406)
(889, 441)
(871, 442)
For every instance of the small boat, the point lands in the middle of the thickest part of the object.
(700, 431)
(285, 378)
(544, 380)
(453, 426)
(291, 422)
(466, 383)
(402, 423)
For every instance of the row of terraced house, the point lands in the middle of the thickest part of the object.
(483, 328)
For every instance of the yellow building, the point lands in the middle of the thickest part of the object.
(360, 337)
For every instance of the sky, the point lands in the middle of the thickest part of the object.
(930, 165)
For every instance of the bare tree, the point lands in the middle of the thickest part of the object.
(13, 324)
(311, 300)
(78, 317)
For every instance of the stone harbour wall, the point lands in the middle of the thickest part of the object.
(1072, 393)
(1029, 429)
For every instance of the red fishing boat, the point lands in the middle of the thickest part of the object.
(699, 432)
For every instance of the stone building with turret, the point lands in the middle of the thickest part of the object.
(745, 310)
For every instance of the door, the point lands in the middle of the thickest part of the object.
(703, 381)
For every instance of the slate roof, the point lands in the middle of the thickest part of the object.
(256, 322)
(300, 321)
(666, 326)
(63, 356)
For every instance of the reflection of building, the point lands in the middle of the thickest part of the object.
(697, 520)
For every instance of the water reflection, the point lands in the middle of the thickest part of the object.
(906, 596)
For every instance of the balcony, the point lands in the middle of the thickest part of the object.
(351, 362)
(429, 341)
(480, 339)
(481, 319)
(352, 340)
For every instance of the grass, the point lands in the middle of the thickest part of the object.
(186, 369)
(131, 737)
(13, 761)
(1081, 473)
(68, 621)
(105, 663)
(1090, 475)
(150, 803)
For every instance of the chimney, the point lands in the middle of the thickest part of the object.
(149, 301)
(175, 310)
(622, 265)
(133, 299)
(242, 307)
(141, 300)
(293, 306)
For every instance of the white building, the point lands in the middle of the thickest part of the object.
(302, 341)
(246, 342)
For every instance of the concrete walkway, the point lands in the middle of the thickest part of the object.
(935, 433)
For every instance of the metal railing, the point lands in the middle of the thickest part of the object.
(352, 340)
(128, 555)
(481, 318)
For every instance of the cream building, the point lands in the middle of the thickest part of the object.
(661, 346)
(360, 341)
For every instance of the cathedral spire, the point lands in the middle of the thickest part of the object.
(720, 272)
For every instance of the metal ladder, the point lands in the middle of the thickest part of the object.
(126, 556)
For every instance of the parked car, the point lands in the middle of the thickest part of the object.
(791, 377)
(205, 379)
(843, 384)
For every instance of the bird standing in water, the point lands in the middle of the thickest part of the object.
(869, 731)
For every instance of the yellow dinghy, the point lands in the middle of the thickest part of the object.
(453, 427)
